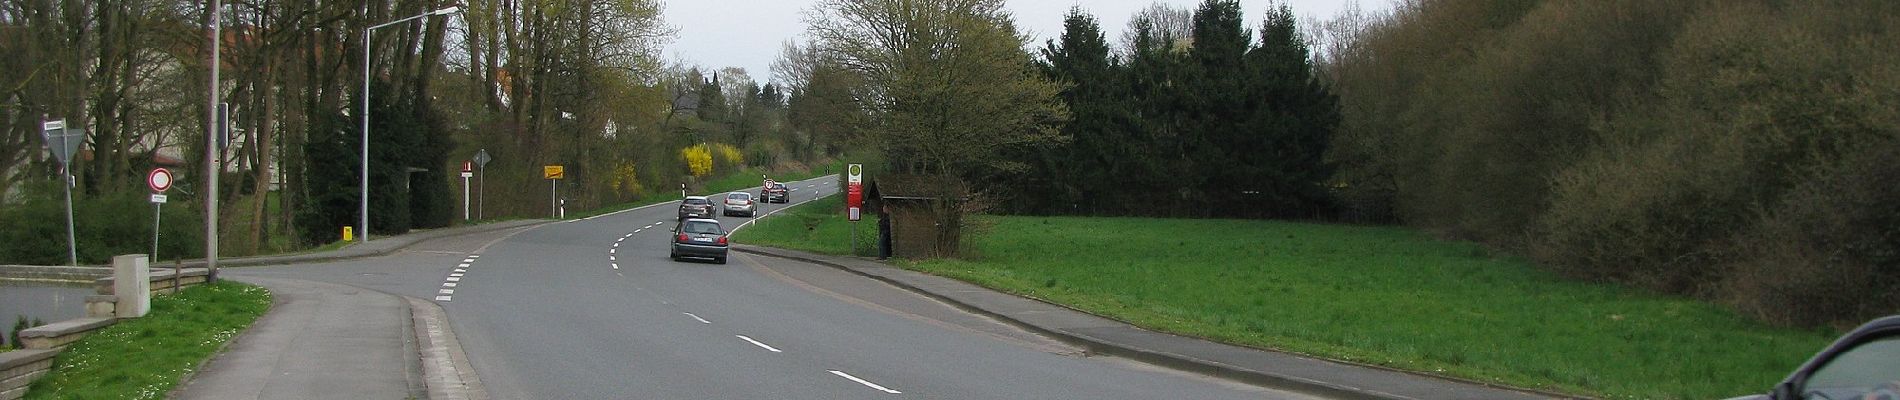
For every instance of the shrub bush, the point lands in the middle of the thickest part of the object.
(105, 225)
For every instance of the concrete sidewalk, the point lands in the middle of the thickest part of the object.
(1102, 335)
(319, 341)
(332, 341)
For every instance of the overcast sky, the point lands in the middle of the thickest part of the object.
(747, 33)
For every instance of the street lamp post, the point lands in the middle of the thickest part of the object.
(363, 206)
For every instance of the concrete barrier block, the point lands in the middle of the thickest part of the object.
(132, 282)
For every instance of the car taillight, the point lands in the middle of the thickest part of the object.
(722, 240)
(683, 239)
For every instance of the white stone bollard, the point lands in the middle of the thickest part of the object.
(132, 282)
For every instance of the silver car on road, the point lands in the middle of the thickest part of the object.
(740, 203)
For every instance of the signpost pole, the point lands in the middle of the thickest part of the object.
(60, 143)
(552, 186)
(854, 199)
(159, 180)
(66, 179)
(481, 178)
(156, 209)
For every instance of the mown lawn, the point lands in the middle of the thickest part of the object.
(144, 358)
(1377, 295)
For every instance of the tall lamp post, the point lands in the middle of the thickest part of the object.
(363, 209)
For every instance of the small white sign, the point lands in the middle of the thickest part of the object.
(856, 214)
(53, 125)
(854, 173)
(158, 198)
(466, 174)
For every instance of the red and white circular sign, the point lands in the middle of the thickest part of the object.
(160, 179)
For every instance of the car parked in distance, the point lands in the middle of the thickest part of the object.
(699, 238)
(1863, 364)
(696, 207)
(775, 192)
(740, 203)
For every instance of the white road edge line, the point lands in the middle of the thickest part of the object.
(697, 318)
(864, 382)
(455, 279)
(441, 298)
(448, 284)
(755, 342)
(445, 291)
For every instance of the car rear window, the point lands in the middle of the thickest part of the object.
(702, 227)
(697, 201)
(739, 196)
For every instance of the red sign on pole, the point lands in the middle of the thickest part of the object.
(468, 166)
(160, 179)
(854, 199)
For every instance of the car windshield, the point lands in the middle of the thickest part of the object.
(701, 227)
(738, 196)
(1869, 367)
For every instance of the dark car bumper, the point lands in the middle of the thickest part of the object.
(698, 250)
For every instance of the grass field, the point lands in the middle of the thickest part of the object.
(1376, 295)
(143, 358)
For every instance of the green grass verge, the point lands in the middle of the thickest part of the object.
(145, 357)
(816, 226)
(1376, 295)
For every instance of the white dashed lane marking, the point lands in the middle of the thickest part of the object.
(864, 382)
(455, 276)
(756, 343)
(613, 261)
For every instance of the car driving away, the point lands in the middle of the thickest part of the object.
(696, 207)
(1863, 364)
(740, 203)
(699, 238)
(775, 192)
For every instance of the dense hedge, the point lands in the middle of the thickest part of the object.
(105, 226)
(1742, 151)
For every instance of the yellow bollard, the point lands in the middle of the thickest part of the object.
(348, 234)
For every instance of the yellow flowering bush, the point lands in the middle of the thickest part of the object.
(698, 160)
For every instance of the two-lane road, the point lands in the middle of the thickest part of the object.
(594, 309)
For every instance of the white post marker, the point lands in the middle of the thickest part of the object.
(466, 173)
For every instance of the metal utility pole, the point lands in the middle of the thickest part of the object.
(211, 145)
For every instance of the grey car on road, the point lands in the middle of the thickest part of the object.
(696, 207)
(699, 238)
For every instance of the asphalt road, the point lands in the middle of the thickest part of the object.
(594, 309)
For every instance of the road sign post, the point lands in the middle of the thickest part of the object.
(854, 199)
(554, 175)
(63, 143)
(481, 179)
(159, 180)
